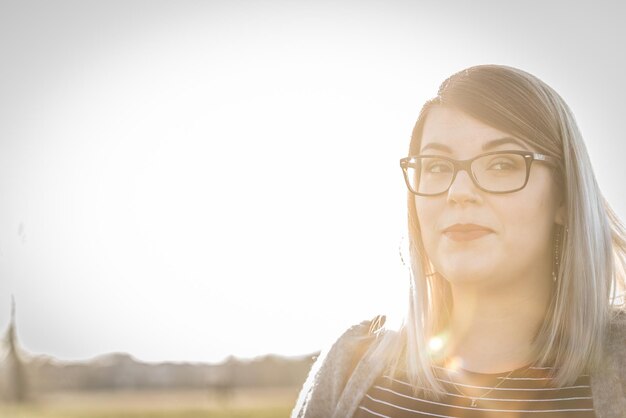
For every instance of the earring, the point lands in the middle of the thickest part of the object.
(557, 244)
(403, 250)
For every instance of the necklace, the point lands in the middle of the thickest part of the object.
(474, 398)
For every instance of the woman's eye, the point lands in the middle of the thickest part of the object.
(438, 168)
(502, 165)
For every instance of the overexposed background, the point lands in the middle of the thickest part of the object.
(185, 180)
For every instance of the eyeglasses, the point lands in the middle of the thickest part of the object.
(493, 172)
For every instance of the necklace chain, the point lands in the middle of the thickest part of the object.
(474, 398)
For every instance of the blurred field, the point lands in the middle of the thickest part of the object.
(242, 403)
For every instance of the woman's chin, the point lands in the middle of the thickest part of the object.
(467, 273)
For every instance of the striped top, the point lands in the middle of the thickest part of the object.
(524, 393)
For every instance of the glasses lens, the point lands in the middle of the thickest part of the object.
(429, 175)
(500, 172)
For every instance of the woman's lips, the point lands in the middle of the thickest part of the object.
(466, 232)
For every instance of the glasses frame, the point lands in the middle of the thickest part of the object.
(466, 165)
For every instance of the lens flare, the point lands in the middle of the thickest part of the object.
(435, 344)
(454, 364)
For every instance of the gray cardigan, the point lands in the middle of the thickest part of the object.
(325, 395)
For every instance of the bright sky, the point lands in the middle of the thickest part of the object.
(185, 180)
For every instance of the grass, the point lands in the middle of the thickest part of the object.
(244, 403)
(30, 412)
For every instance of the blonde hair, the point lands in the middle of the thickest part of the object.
(591, 271)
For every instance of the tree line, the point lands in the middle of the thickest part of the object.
(23, 376)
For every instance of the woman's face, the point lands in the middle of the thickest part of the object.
(515, 239)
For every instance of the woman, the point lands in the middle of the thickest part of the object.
(517, 267)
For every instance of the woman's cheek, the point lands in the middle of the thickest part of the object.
(431, 240)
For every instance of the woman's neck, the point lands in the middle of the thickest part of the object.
(492, 331)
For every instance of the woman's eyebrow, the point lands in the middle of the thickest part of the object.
(501, 141)
(437, 146)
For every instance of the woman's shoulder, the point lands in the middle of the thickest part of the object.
(615, 344)
(366, 329)
(355, 339)
(616, 336)
(352, 344)
(330, 371)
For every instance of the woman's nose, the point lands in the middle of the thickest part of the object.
(463, 190)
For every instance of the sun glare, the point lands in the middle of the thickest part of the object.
(454, 364)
